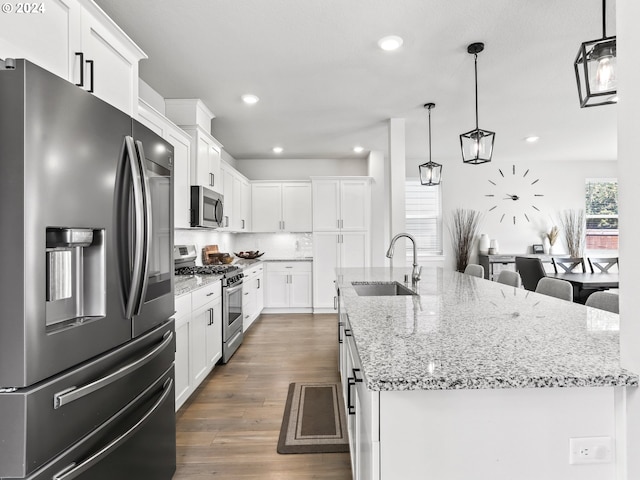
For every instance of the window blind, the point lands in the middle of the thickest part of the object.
(423, 217)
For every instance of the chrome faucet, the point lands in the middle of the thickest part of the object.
(415, 274)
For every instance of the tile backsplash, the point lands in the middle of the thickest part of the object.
(275, 245)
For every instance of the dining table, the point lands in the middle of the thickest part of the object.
(585, 283)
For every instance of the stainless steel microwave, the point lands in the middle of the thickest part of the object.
(207, 207)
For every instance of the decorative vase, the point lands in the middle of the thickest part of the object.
(553, 250)
(493, 245)
(546, 246)
(483, 244)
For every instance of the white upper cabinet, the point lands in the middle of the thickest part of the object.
(281, 207)
(341, 204)
(235, 188)
(76, 40)
(193, 116)
(205, 159)
(181, 142)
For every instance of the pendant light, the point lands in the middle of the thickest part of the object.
(430, 172)
(595, 68)
(476, 145)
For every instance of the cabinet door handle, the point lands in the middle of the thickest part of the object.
(211, 179)
(243, 224)
(355, 375)
(337, 223)
(351, 382)
(90, 63)
(341, 223)
(211, 316)
(81, 55)
(347, 332)
(283, 225)
(335, 303)
(258, 283)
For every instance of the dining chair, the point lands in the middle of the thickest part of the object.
(475, 270)
(604, 301)
(531, 271)
(568, 264)
(603, 264)
(555, 287)
(508, 277)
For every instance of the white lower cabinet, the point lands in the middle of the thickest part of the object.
(252, 294)
(362, 407)
(333, 250)
(288, 286)
(198, 337)
(183, 378)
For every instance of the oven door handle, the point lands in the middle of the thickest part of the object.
(74, 393)
(73, 470)
(234, 289)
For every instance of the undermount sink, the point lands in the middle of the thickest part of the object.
(381, 289)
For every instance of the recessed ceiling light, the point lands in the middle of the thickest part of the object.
(358, 149)
(532, 139)
(250, 99)
(390, 43)
(277, 149)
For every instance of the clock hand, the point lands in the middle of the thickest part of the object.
(512, 197)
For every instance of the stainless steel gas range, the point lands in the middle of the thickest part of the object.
(232, 335)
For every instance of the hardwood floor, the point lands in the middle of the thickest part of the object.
(229, 427)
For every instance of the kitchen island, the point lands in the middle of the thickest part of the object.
(474, 379)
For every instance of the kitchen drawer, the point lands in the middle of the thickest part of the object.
(252, 271)
(289, 266)
(183, 305)
(205, 294)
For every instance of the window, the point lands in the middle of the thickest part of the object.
(423, 217)
(601, 214)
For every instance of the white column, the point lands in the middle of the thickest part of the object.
(376, 167)
(397, 178)
(628, 33)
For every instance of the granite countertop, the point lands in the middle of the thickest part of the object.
(464, 332)
(296, 259)
(184, 284)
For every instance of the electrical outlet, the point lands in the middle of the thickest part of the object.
(588, 450)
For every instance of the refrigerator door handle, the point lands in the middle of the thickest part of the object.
(74, 393)
(73, 470)
(148, 228)
(133, 300)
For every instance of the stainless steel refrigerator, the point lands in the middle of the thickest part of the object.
(86, 286)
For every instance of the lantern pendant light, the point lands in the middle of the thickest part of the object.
(595, 68)
(477, 144)
(430, 172)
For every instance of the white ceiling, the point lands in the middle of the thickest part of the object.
(325, 86)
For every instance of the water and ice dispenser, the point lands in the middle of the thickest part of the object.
(76, 278)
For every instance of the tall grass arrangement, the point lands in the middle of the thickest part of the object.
(573, 226)
(464, 230)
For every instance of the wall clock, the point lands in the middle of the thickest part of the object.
(514, 194)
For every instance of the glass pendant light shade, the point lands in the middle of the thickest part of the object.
(477, 144)
(596, 69)
(430, 172)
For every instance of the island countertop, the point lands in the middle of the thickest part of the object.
(464, 332)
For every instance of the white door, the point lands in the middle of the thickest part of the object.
(326, 207)
(301, 292)
(296, 207)
(354, 250)
(266, 213)
(214, 332)
(181, 176)
(276, 289)
(114, 75)
(325, 260)
(48, 39)
(354, 204)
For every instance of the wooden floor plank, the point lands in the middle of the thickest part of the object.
(229, 427)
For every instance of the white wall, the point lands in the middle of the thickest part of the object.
(202, 237)
(561, 183)
(300, 169)
(628, 412)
